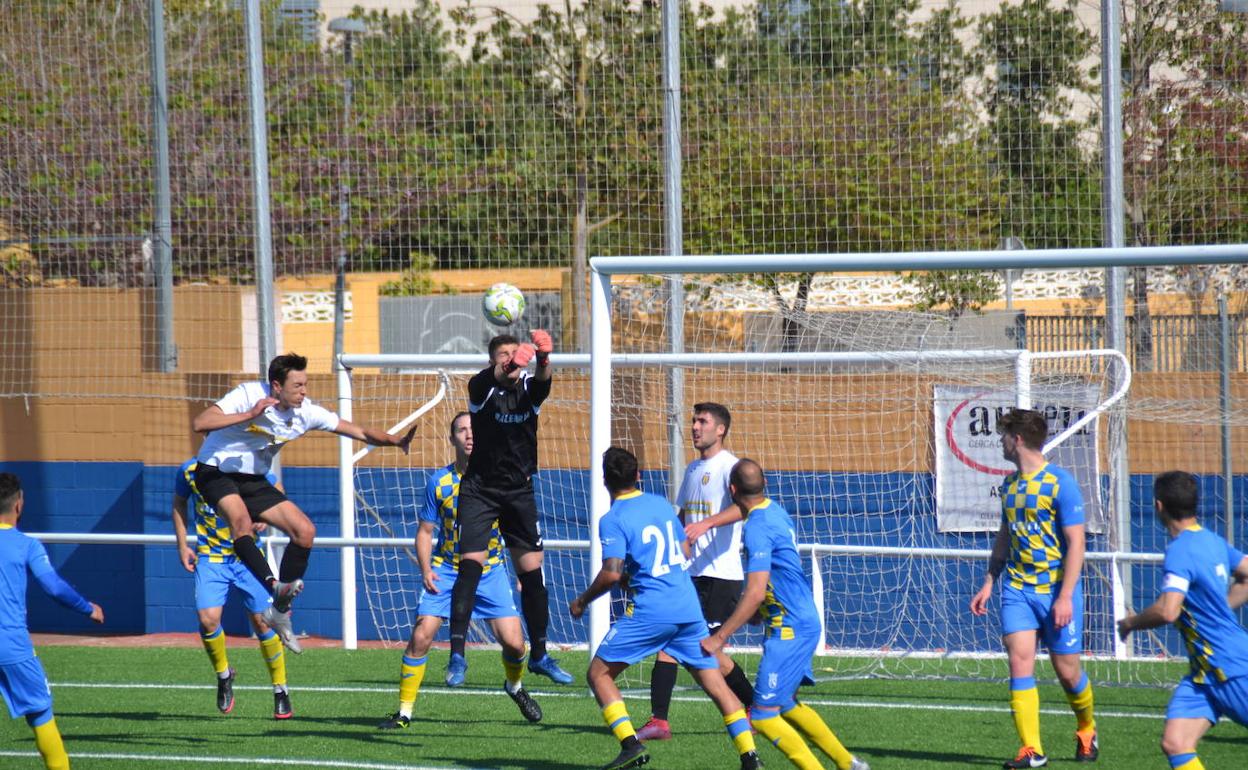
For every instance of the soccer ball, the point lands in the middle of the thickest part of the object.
(503, 304)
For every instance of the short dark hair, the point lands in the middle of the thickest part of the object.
(747, 476)
(619, 469)
(10, 489)
(1179, 492)
(499, 341)
(1027, 424)
(718, 411)
(455, 419)
(282, 366)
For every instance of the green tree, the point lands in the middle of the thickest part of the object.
(1035, 57)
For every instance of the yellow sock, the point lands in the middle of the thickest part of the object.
(514, 669)
(51, 748)
(616, 717)
(738, 726)
(1025, 703)
(214, 645)
(1185, 762)
(808, 721)
(274, 657)
(411, 674)
(1081, 703)
(785, 738)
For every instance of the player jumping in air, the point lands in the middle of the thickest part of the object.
(23, 685)
(1040, 548)
(245, 431)
(497, 487)
(216, 570)
(1206, 581)
(642, 538)
(713, 526)
(494, 599)
(776, 588)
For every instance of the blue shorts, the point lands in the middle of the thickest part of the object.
(494, 596)
(1210, 700)
(213, 581)
(1029, 611)
(785, 666)
(632, 641)
(25, 688)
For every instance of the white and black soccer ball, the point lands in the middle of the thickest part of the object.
(503, 304)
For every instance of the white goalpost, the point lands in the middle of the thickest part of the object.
(841, 408)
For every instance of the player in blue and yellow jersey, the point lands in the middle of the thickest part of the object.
(776, 590)
(494, 600)
(1206, 580)
(23, 684)
(217, 568)
(642, 538)
(1040, 547)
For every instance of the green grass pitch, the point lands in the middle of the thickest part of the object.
(154, 708)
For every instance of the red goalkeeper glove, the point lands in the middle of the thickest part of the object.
(521, 358)
(543, 343)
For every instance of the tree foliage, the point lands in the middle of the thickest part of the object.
(479, 138)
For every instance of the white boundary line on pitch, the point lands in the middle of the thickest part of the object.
(899, 705)
(280, 762)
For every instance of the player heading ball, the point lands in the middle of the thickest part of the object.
(244, 431)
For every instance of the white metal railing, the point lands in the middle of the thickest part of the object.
(812, 550)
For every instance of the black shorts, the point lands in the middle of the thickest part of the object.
(718, 598)
(258, 494)
(514, 507)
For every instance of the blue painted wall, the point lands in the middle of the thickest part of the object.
(145, 589)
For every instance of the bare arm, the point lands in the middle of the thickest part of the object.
(1162, 612)
(374, 437)
(747, 607)
(1072, 564)
(996, 564)
(213, 418)
(186, 554)
(610, 574)
(1072, 569)
(424, 555)
(1237, 595)
(730, 515)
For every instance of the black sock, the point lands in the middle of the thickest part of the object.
(662, 682)
(463, 599)
(740, 685)
(535, 605)
(245, 549)
(294, 563)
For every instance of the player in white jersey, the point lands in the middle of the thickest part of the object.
(713, 525)
(244, 431)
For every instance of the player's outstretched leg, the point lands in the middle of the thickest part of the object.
(509, 634)
(601, 677)
(662, 683)
(735, 720)
(412, 671)
(48, 740)
(214, 645)
(535, 605)
(811, 725)
(1079, 694)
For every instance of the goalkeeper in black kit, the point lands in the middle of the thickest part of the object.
(504, 400)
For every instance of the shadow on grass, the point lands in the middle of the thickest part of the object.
(951, 759)
(511, 762)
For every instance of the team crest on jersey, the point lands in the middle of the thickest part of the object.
(706, 479)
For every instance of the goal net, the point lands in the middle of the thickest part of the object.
(877, 430)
